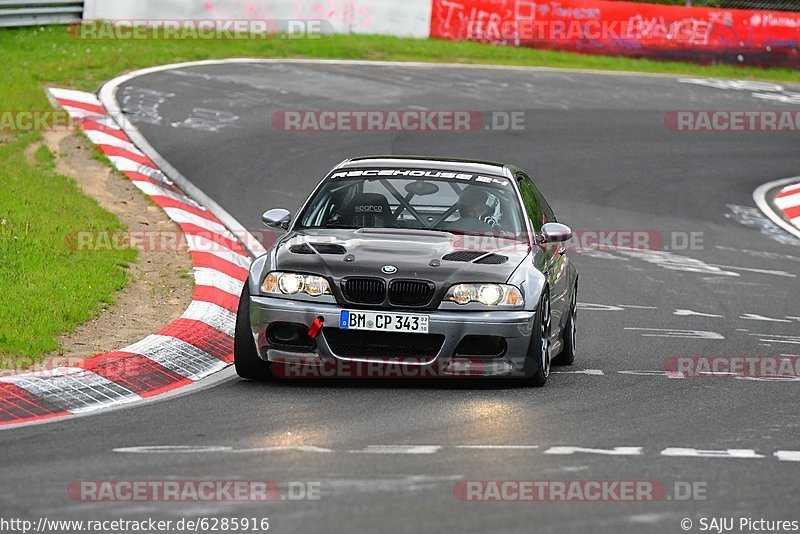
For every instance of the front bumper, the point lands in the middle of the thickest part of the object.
(514, 326)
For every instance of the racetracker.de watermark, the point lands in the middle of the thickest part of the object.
(578, 491)
(29, 364)
(165, 241)
(586, 240)
(632, 30)
(410, 367)
(41, 121)
(168, 241)
(710, 120)
(396, 120)
(192, 491)
(200, 29)
(754, 367)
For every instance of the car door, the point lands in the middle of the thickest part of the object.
(554, 261)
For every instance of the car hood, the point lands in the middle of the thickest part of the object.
(414, 253)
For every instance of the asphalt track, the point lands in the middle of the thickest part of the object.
(598, 147)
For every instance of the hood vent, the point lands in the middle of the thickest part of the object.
(301, 249)
(476, 256)
(329, 248)
(493, 259)
(463, 255)
(320, 248)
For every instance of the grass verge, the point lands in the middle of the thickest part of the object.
(47, 288)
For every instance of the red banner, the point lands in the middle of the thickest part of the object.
(706, 35)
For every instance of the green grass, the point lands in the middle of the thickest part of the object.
(47, 288)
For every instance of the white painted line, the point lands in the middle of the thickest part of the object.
(675, 333)
(597, 307)
(775, 338)
(688, 313)
(171, 449)
(281, 448)
(592, 372)
(674, 452)
(645, 372)
(398, 449)
(616, 451)
(723, 453)
(512, 447)
(756, 317)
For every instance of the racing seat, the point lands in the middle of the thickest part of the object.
(368, 210)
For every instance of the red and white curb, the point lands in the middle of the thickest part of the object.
(196, 345)
(783, 208)
(788, 201)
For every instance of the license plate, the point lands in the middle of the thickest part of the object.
(383, 322)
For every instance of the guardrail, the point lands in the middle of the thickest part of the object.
(36, 12)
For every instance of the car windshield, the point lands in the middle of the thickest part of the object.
(415, 199)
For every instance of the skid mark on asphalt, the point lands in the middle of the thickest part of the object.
(677, 333)
(755, 218)
(773, 272)
(760, 90)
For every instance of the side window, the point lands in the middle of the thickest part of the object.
(548, 211)
(534, 204)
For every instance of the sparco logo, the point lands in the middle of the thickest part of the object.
(369, 209)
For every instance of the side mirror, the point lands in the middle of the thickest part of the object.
(277, 218)
(556, 233)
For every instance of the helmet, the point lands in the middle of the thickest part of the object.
(472, 198)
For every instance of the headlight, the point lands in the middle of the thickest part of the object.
(486, 294)
(293, 283)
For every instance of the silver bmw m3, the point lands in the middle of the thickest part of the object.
(435, 267)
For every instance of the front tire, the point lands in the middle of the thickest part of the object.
(245, 355)
(567, 355)
(537, 362)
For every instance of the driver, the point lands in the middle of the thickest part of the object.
(474, 210)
